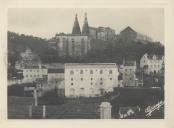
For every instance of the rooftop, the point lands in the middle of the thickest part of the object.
(129, 63)
(69, 34)
(150, 56)
(128, 29)
(91, 65)
(56, 71)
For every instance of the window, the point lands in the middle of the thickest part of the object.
(101, 71)
(81, 71)
(91, 78)
(110, 78)
(71, 79)
(71, 83)
(91, 83)
(30, 75)
(72, 40)
(110, 71)
(91, 71)
(101, 79)
(101, 83)
(81, 79)
(71, 72)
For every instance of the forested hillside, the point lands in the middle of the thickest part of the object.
(102, 51)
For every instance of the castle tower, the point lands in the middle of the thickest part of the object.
(85, 29)
(76, 27)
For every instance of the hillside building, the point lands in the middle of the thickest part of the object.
(32, 73)
(90, 79)
(76, 44)
(152, 63)
(105, 33)
(128, 71)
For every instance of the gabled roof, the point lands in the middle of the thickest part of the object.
(128, 29)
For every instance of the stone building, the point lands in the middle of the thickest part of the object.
(105, 33)
(152, 63)
(93, 32)
(90, 79)
(128, 35)
(76, 44)
(32, 73)
(128, 71)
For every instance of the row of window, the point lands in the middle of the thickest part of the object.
(101, 83)
(129, 70)
(65, 39)
(153, 61)
(91, 79)
(155, 66)
(30, 70)
(91, 72)
(28, 76)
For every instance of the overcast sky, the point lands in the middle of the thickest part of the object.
(46, 22)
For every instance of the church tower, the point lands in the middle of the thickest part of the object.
(85, 29)
(76, 27)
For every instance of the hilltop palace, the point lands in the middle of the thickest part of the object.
(84, 79)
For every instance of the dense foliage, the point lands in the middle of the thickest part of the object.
(102, 51)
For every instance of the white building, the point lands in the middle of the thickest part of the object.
(31, 74)
(152, 63)
(90, 79)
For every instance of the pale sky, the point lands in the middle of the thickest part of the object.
(46, 23)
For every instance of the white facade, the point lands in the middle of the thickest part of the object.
(151, 63)
(90, 79)
(33, 73)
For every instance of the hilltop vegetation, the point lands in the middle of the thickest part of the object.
(102, 51)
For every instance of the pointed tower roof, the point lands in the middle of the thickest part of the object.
(85, 29)
(76, 27)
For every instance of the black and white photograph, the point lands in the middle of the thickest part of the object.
(85, 63)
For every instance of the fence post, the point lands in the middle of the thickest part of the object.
(30, 111)
(105, 110)
(35, 98)
(44, 112)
